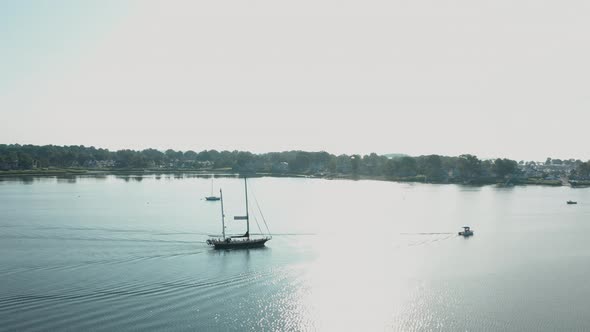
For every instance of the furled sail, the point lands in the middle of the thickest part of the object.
(241, 218)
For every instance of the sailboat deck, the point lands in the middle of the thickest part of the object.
(230, 243)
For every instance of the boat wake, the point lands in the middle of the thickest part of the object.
(133, 297)
(429, 238)
(424, 233)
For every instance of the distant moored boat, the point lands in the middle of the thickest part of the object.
(466, 231)
(212, 197)
(572, 202)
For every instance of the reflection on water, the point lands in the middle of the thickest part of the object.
(66, 179)
(129, 252)
(28, 179)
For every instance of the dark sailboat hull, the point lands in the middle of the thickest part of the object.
(240, 244)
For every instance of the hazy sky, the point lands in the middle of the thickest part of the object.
(494, 78)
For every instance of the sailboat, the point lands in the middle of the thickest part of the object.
(239, 241)
(212, 197)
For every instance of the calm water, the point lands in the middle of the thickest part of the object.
(117, 253)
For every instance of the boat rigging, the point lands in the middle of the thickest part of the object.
(238, 241)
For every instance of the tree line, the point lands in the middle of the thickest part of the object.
(431, 168)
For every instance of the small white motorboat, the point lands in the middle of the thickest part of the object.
(466, 231)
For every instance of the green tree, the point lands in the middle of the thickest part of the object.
(244, 161)
(332, 165)
(404, 166)
(583, 170)
(469, 166)
(355, 162)
(155, 156)
(432, 167)
(174, 155)
(24, 161)
(300, 163)
(190, 155)
(504, 167)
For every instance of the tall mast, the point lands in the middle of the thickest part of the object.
(222, 215)
(247, 216)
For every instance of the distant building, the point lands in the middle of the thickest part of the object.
(281, 167)
(205, 164)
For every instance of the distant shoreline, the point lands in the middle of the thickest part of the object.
(49, 160)
(228, 172)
